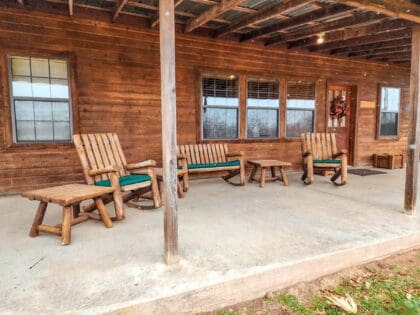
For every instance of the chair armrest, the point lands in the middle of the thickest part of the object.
(144, 164)
(235, 154)
(338, 154)
(306, 154)
(101, 171)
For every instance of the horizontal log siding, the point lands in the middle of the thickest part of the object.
(118, 90)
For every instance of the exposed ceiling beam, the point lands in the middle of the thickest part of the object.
(370, 39)
(362, 48)
(379, 51)
(296, 21)
(403, 54)
(269, 12)
(325, 27)
(155, 21)
(71, 7)
(403, 9)
(381, 26)
(216, 10)
(118, 8)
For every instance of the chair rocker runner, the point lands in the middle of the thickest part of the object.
(104, 164)
(319, 151)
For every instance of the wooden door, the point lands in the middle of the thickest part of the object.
(341, 102)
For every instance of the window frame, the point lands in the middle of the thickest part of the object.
(314, 110)
(9, 57)
(238, 108)
(258, 78)
(379, 113)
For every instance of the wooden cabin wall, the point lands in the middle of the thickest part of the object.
(116, 88)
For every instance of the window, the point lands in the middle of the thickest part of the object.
(220, 105)
(300, 108)
(389, 111)
(262, 109)
(40, 99)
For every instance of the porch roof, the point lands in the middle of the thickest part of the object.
(377, 30)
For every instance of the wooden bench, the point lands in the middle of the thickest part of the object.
(205, 158)
(69, 197)
(319, 151)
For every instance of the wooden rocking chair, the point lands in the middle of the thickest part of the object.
(104, 164)
(319, 151)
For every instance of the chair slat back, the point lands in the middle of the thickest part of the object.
(204, 153)
(322, 145)
(99, 150)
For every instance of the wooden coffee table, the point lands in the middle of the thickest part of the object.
(272, 165)
(69, 197)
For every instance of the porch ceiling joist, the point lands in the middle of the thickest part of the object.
(370, 39)
(363, 48)
(403, 9)
(271, 11)
(325, 27)
(216, 10)
(120, 5)
(382, 26)
(376, 52)
(71, 7)
(296, 21)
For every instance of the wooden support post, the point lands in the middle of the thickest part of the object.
(168, 99)
(413, 138)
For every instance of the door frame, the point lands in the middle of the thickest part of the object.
(353, 123)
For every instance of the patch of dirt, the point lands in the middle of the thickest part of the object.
(304, 291)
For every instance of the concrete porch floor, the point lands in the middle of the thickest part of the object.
(235, 243)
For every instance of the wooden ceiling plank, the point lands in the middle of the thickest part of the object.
(259, 16)
(119, 6)
(403, 9)
(379, 51)
(391, 55)
(381, 26)
(213, 12)
(370, 39)
(366, 47)
(325, 27)
(296, 21)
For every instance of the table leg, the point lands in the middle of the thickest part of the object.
(103, 213)
(252, 174)
(66, 226)
(76, 210)
(273, 172)
(262, 179)
(284, 176)
(39, 217)
(180, 189)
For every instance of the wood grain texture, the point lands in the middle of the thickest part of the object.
(117, 78)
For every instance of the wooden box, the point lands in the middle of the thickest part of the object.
(389, 161)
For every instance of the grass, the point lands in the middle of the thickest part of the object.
(397, 292)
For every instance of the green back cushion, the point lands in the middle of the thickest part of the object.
(328, 161)
(126, 180)
(212, 165)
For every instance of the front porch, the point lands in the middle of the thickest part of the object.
(235, 243)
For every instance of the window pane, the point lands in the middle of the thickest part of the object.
(58, 69)
(389, 124)
(220, 123)
(62, 131)
(44, 130)
(302, 104)
(298, 89)
(39, 68)
(43, 111)
(262, 123)
(61, 111)
(41, 87)
(299, 121)
(24, 110)
(220, 101)
(220, 87)
(390, 99)
(20, 66)
(59, 88)
(21, 86)
(262, 93)
(25, 130)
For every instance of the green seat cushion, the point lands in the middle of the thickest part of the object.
(212, 165)
(126, 180)
(328, 161)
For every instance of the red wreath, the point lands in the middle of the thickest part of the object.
(338, 108)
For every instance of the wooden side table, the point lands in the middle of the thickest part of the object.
(69, 197)
(272, 165)
(182, 188)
